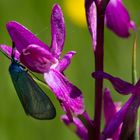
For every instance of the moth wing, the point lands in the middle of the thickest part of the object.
(35, 102)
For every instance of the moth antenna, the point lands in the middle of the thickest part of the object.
(5, 54)
(13, 54)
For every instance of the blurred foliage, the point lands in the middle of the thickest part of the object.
(35, 15)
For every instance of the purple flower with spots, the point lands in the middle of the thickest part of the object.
(40, 58)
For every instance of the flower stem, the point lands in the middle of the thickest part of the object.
(134, 69)
(99, 55)
(135, 135)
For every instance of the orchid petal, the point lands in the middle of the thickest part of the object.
(80, 129)
(91, 15)
(58, 30)
(65, 91)
(118, 19)
(118, 118)
(22, 37)
(109, 106)
(37, 58)
(118, 84)
(129, 123)
(110, 109)
(64, 63)
(8, 51)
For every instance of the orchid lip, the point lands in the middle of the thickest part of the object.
(54, 65)
(37, 58)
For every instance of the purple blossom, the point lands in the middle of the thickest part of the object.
(38, 57)
(118, 19)
(66, 92)
(128, 113)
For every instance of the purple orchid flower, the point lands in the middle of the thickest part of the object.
(118, 19)
(38, 57)
(128, 113)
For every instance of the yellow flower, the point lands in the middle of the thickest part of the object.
(75, 10)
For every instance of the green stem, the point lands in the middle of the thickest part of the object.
(134, 69)
(134, 80)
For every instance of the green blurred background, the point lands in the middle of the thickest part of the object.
(35, 15)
